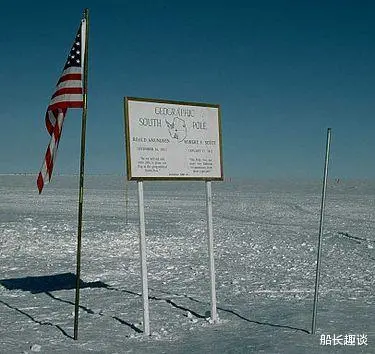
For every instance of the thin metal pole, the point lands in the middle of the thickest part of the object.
(317, 275)
(126, 170)
(211, 251)
(126, 202)
(142, 246)
(81, 178)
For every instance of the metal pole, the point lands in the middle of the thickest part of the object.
(81, 178)
(211, 251)
(142, 245)
(127, 161)
(317, 275)
(126, 202)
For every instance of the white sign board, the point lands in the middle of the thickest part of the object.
(172, 140)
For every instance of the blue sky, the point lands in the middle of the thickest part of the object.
(282, 71)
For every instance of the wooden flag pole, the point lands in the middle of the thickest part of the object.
(317, 275)
(81, 177)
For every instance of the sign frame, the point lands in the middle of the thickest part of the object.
(128, 138)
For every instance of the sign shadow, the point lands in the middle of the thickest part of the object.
(49, 283)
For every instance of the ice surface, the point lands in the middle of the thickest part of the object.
(265, 254)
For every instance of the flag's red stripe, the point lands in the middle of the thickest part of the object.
(50, 170)
(70, 77)
(48, 160)
(67, 91)
(40, 182)
(56, 134)
(49, 125)
(65, 104)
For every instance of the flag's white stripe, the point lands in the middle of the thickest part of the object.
(69, 83)
(52, 146)
(72, 70)
(44, 171)
(44, 174)
(52, 142)
(51, 117)
(60, 119)
(67, 98)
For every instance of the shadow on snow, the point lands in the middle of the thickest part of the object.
(67, 281)
(48, 283)
(238, 315)
(42, 323)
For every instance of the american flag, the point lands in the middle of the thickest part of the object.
(68, 94)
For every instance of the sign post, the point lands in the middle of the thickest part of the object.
(211, 251)
(173, 140)
(142, 249)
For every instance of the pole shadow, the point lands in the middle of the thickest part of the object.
(167, 300)
(236, 314)
(91, 312)
(263, 323)
(131, 325)
(67, 281)
(42, 323)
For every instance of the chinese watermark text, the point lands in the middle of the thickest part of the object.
(343, 339)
